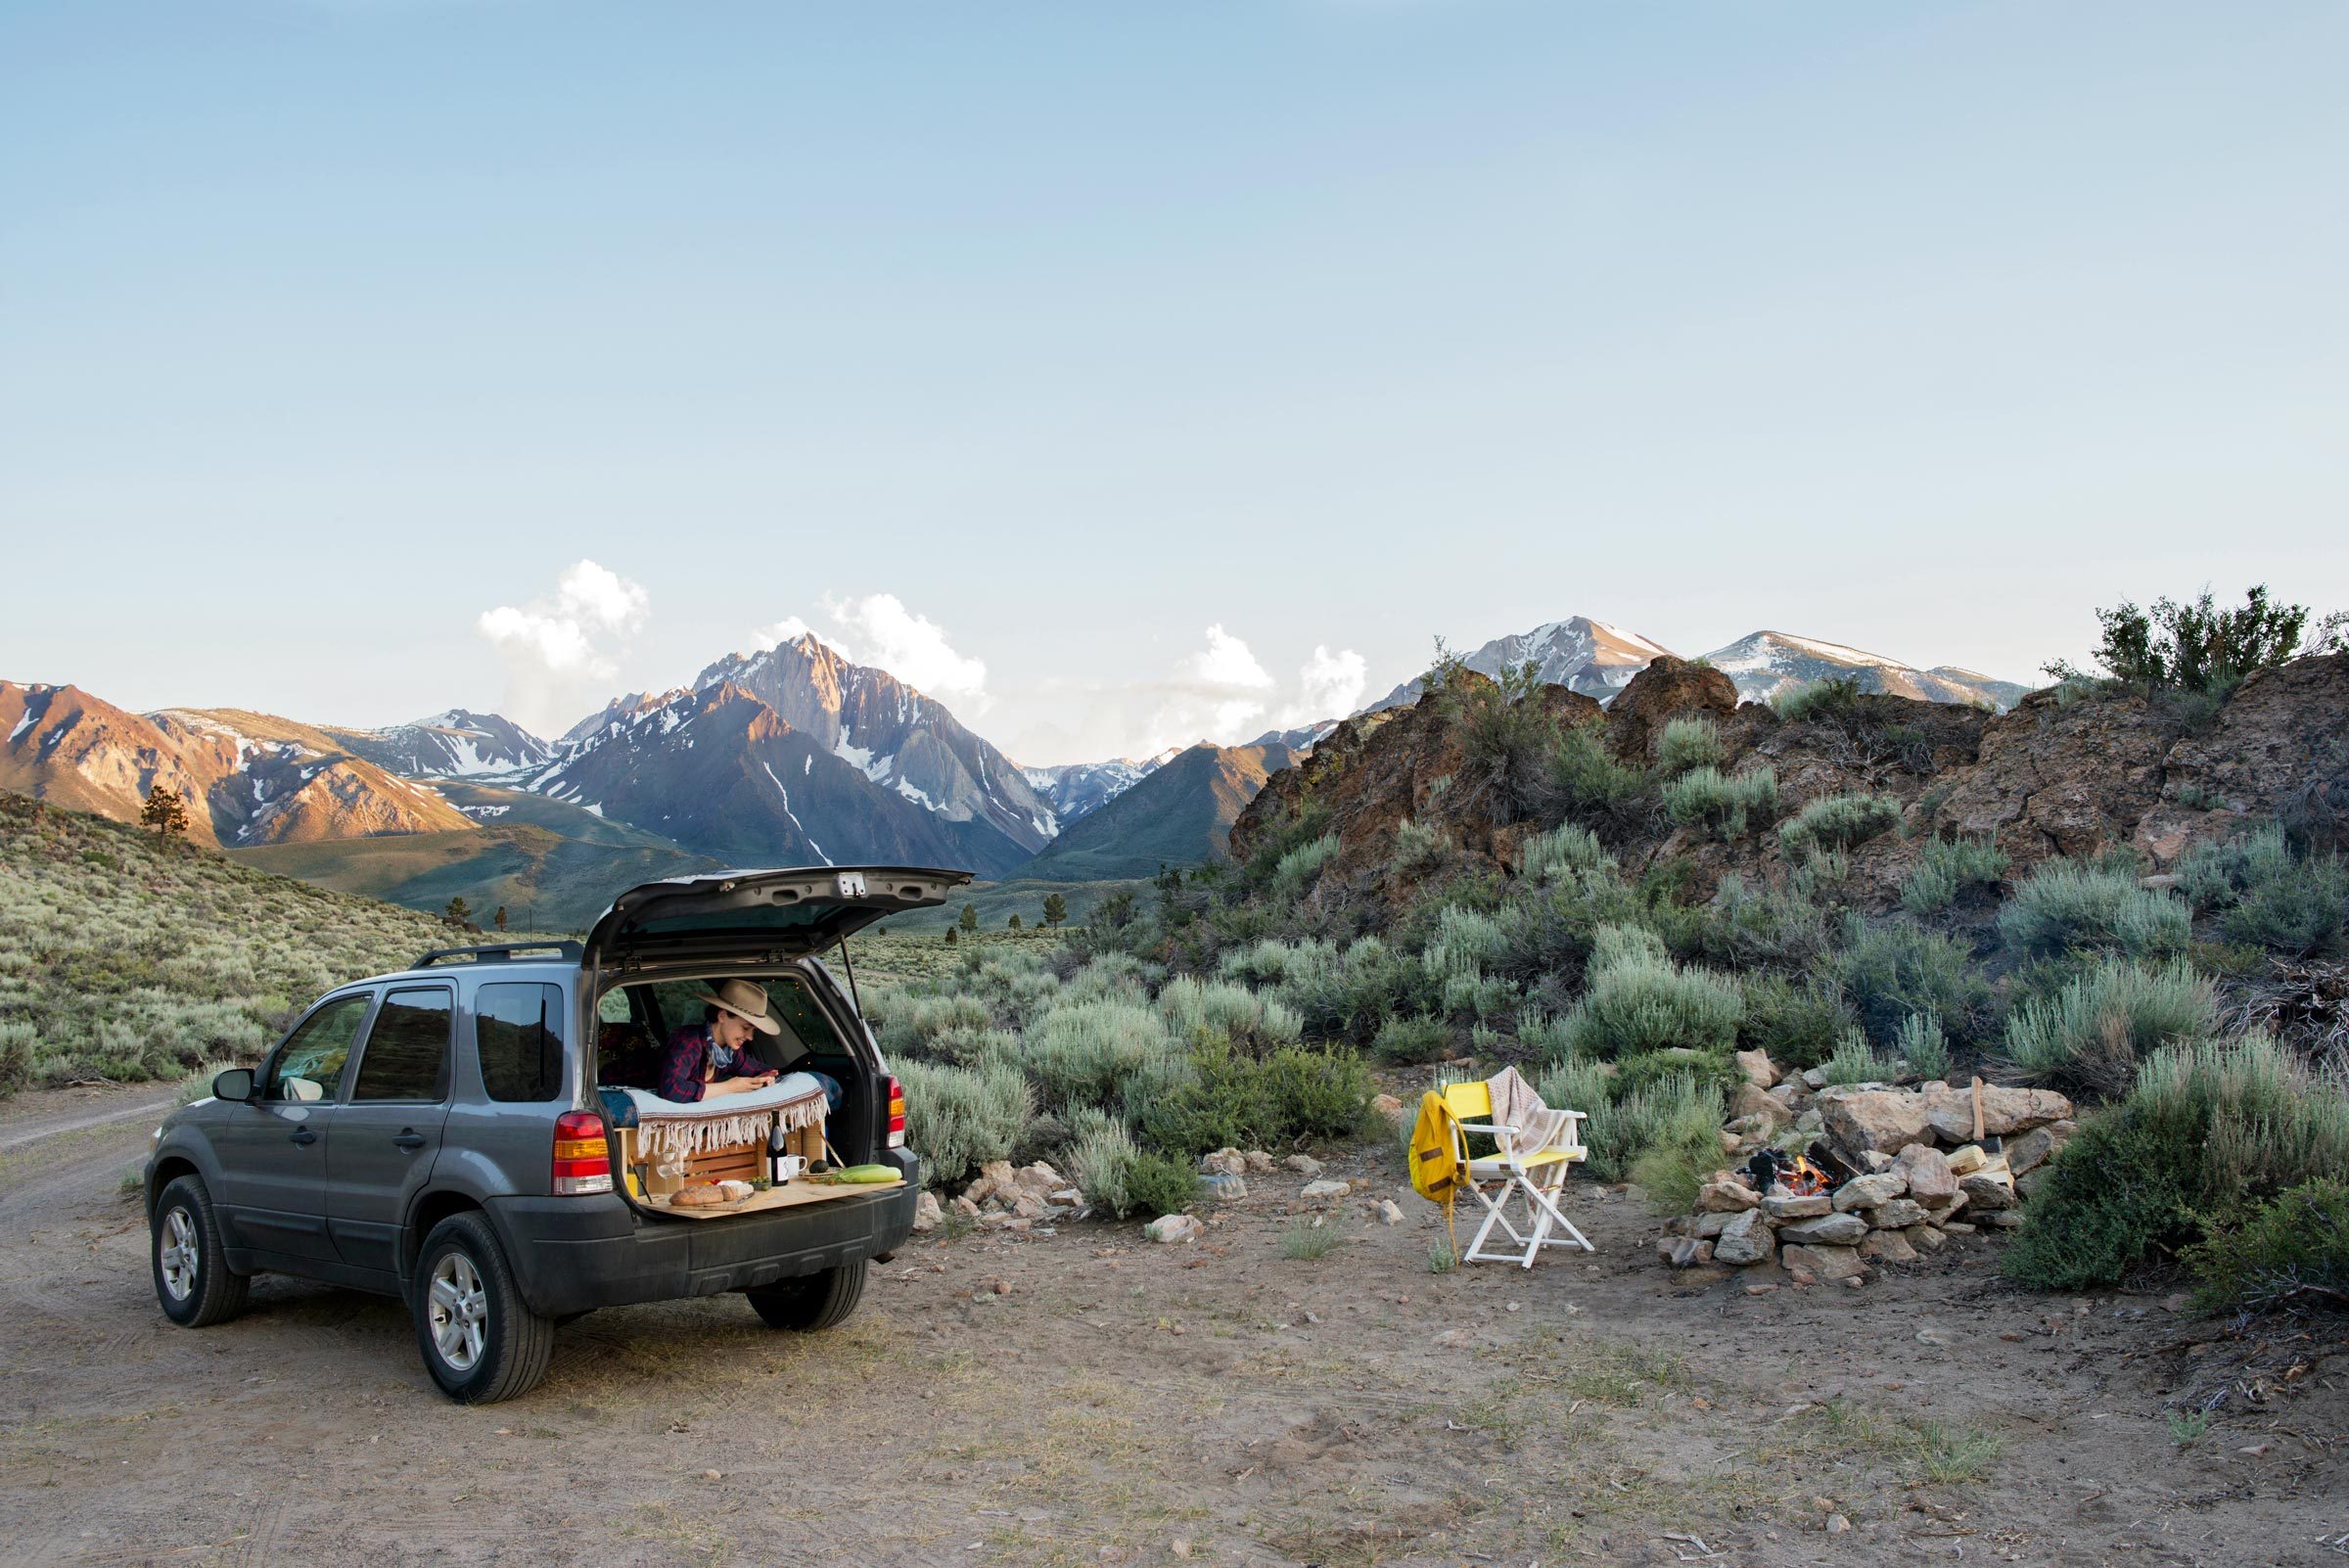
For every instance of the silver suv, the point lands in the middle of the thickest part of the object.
(442, 1135)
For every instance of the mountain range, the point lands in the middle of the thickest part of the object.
(787, 754)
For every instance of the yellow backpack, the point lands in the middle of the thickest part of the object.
(1436, 1173)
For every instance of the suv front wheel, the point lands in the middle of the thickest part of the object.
(192, 1280)
(480, 1341)
(815, 1301)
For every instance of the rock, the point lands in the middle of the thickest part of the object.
(1771, 1112)
(964, 1206)
(1040, 1177)
(1831, 1229)
(1986, 1193)
(1787, 1094)
(1927, 1237)
(1726, 1197)
(2000, 1219)
(1837, 1524)
(1942, 1209)
(1956, 1228)
(1876, 1161)
(1887, 1246)
(1898, 1214)
(926, 1214)
(1027, 1205)
(2037, 1146)
(2004, 1111)
(2028, 1185)
(1666, 689)
(1388, 1106)
(1304, 1165)
(1927, 1174)
(1823, 1263)
(1709, 1223)
(1744, 1238)
(1324, 1189)
(1175, 1228)
(1808, 1207)
(1225, 1187)
(1759, 1070)
(1388, 1214)
(1223, 1162)
(1815, 1077)
(1684, 1252)
(1966, 1160)
(1859, 1119)
(997, 1174)
(1259, 1162)
(1865, 1192)
(1069, 1197)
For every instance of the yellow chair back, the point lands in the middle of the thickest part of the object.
(1471, 1101)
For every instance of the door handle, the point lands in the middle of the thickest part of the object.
(409, 1141)
(303, 1135)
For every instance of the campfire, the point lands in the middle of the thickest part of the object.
(1802, 1177)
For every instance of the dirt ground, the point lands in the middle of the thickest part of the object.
(1121, 1402)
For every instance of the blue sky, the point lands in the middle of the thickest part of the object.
(1023, 345)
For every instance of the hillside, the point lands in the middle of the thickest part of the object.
(1177, 815)
(456, 743)
(551, 866)
(121, 959)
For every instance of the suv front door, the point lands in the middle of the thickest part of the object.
(388, 1131)
(272, 1150)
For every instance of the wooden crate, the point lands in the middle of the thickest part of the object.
(733, 1162)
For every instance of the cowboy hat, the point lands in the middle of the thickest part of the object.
(745, 1001)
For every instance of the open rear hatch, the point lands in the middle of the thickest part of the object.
(766, 916)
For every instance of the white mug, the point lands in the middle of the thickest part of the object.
(790, 1166)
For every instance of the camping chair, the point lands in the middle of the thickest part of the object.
(1535, 1175)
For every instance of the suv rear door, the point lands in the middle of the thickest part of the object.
(388, 1130)
(766, 916)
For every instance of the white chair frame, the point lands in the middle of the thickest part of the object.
(1518, 1177)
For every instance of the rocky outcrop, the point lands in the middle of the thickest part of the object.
(1665, 690)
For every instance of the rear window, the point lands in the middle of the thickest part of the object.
(517, 1033)
(406, 1057)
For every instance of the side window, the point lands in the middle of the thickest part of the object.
(517, 1034)
(310, 1064)
(407, 1050)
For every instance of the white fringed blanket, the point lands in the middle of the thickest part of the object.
(677, 1130)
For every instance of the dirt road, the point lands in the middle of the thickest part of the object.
(1121, 1402)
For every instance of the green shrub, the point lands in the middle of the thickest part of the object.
(2066, 904)
(1584, 777)
(1352, 992)
(2209, 1129)
(1299, 869)
(1563, 848)
(2296, 1243)
(1240, 1015)
(1574, 1084)
(2215, 873)
(1159, 1183)
(1404, 1041)
(1892, 968)
(1639, 1001)
(1797, 1022)
(1101, 1158)
(1308, 1240)
(1775, 927)
(1726, 804)
(1855, 1061)
(17, 1042)
(2301, 909)
(1921, 1045)
(958, 1118)
(1687, 743)
(1229, 1100)
(1841, 822)
(1711, 1068)
(1946, 868)
(1831, 698)
(2093, 1031)
(1670, 1171)
(1619, 1130)
(1097, 1053)
(1418, 848)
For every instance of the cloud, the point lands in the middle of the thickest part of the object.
(1225, 662)
(911, 647)
(559, 649)
(1329, 686)
(791, 628)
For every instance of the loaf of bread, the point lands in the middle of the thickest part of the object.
(705, 1196)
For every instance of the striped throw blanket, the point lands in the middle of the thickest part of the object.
(677, 1130)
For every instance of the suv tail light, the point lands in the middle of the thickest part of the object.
(897, 1114)
(582, 1156)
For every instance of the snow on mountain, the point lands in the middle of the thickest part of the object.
(1767, 662)
(1584, 655)
(456, 743)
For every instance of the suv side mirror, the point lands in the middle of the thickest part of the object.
(234, 1085)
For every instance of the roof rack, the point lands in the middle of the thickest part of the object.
(501, 952)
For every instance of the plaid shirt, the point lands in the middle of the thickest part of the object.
(691, 1059)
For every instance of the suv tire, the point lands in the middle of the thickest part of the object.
(478, 1339)
(815, 1301)
(192, 1280)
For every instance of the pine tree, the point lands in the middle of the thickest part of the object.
(970, 917)
(950, 936)
(458, 912)
(1056, 908)
(499, 918)
(1014, 923)
(165, 811)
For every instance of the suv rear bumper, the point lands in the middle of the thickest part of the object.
(571, 1255)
